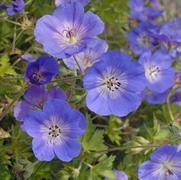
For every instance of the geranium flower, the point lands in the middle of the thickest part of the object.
(114, 85)
(88, 57)
(55, 131)
(41, 71)
(34, 98)
(68, 31)
(142, 39)
(15, 7)
(170, 36)
(119, 175)
(142, 13)
(158, 71)
(165, 164)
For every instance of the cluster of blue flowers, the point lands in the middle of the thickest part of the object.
(114, 82)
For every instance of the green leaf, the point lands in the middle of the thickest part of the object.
(93, 140)
(4, 134)
(104, 167)
(5, 66)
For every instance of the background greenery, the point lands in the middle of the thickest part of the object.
(109, 142)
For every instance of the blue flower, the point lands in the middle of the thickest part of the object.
(55, 131)
(34, 98)
(15, 7)
(170, 34)
(158, 71)
(141, 12)
(176, 98)
(68, 31)
(142, 38)
(119, 175)
(114, 85)
(165, 164)
(41, 71)
(28, 58)
(88, 57)
(60, 2)
(155, 98)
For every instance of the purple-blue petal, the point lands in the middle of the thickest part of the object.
(42, 150)
(69, 150)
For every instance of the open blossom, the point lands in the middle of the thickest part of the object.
(88, 57)
(41, 71)
(165, 164)
(55, 131)
(68, 31)
(61, 2)
(142, 39)
(114, 85)
(158, 71)
(34, 98)
(170, 36)
(15, 7)
(141, 12)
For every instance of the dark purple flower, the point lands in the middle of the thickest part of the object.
(15, 7)
(114, 85)
(68, 31)
(155, 98)
(88, 57)
(142, 39)
(34, 98)
(55, 131)
(42, 71)
(141, 12)
(60, 2)
(165, 164)
(158, 71)
(176, 98)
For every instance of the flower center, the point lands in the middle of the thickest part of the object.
(70, 36)
(152, 73)
(36, 77)
(112, 83)
(167, 166)
(54, 131)
(144, 40)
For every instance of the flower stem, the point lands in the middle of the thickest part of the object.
(78, 65)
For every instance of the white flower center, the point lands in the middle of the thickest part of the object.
(70, 36)
(167, 166)
(112, 84)
(152, 73)
(144, 40)
(53, 131)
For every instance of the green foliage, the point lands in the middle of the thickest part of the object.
(5, 67)
(93, 139)
(109, 142)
